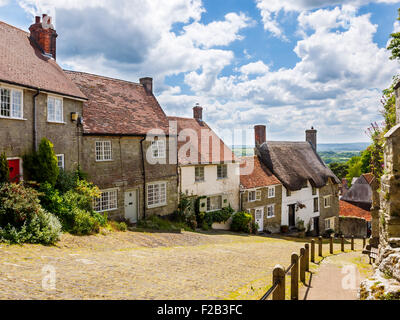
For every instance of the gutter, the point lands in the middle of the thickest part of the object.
(43, 90)
(144, 177)
(35, 144)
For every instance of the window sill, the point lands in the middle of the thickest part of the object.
(104, 160)
(56, 122)
(12, 118)
(222, 178)
(102, 211)
(156, 206)
(270, 217)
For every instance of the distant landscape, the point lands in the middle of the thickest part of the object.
(329, 152)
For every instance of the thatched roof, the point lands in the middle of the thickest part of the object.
(295, 163)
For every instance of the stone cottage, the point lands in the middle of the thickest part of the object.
(37, 99)
(310, 188)
(261, 194)
(127, 149)
(207, 167)
(360, 193)
(353, 220)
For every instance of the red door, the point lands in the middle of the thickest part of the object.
(14, 170)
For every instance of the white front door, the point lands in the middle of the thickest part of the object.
(131, 206)
(259, 218)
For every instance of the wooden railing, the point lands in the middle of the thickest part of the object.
(300, 264)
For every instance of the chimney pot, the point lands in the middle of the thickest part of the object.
(260, 134)
(45, 39)
(311, 137)
(147, 83)
(198, 112)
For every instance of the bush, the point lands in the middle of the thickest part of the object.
(74, 208)
(208, 218)
(4, 169)
(158, 223)
(241, 222)
(42, 166)
(22, 219)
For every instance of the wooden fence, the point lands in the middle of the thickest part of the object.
(300, 264)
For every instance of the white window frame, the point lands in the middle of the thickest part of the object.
(158, 150)
(49, 118)
(61, 157)
(202, 175)
(12, 104)
(315, 198)
(330, 223)
(112, 195)
(209, 203)
(271, 192)
(272, 207)
(158, 200)
(100, 153)
(327, 202)
(224, 171)
(251, 196)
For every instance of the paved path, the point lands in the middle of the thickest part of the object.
(338, 278)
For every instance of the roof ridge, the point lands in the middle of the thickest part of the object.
(14, 27)
(101, 76)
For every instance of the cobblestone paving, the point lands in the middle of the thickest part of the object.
(135, 265)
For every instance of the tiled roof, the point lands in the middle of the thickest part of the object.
(295, 163)
(118, 107)
(260, 176)
(350, 210)
(199, 133)
(22, 63)
(369, 177)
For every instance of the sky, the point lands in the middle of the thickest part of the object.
(288, 64)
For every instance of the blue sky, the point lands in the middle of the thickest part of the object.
(284, 63)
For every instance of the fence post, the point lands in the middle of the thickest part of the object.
(342, 239)
(279, 276)
(331, 245)
(364, 242)
(312, 250)
(320, 246)
(352, 243)
(307, 255)
(294, 275)
(303, 265)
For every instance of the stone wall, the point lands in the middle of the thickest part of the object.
(17, 135)
(353, 226)
(388, 263)
(331, 189)
(125, 172)
(272, 225)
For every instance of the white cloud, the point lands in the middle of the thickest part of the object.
(3, 3)
(336, 85)
(270, 9)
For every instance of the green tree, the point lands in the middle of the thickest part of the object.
(4, 169)
(42, 165)
(366, 160)
(394, 44)
(339, 169)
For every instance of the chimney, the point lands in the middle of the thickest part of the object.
(260, 134)
(147, 83)
(44, 35)
(311, 137)
(198, 113)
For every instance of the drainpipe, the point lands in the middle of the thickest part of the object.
(144, 178)
(35, 145)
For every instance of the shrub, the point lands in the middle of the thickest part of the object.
(41, 166)
(22, 219)
(241, 222)
(158, 223)
(208, 218)
(74, 208)
(4, 169)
